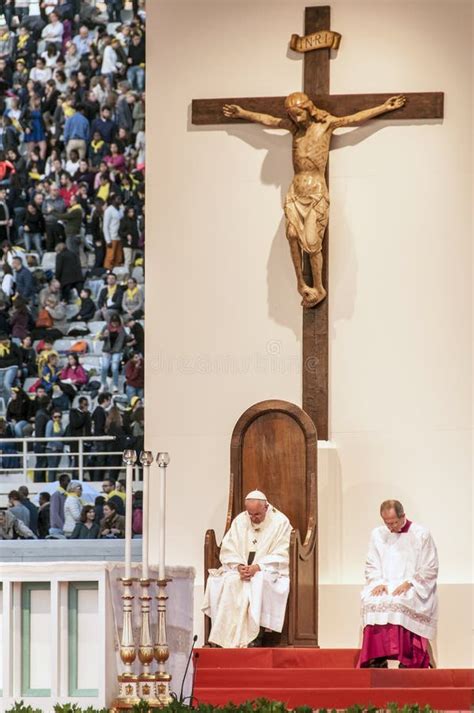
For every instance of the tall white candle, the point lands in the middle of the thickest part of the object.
(129, 460)
(146, 458)
(163, 459)
(161, 569)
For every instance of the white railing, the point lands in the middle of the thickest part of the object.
(78, 466)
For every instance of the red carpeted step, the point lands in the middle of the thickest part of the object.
(323, 678)
(332, 678)
(446, 699)
(279, 658)
(315, 658)
(234, 658)
(422, 678)
(291, 677)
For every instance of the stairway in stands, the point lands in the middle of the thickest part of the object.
(323, 678)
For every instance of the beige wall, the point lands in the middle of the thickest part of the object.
(223, 327)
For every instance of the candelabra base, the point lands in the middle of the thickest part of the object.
(147, 689)
(162, 687)
(152, 688)
(128, 692)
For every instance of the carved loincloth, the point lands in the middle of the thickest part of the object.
(309, 217)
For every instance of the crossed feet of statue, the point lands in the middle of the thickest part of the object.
(311, 296)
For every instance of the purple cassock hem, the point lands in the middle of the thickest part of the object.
(393, 641)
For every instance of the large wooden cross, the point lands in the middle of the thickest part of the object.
(425, 105)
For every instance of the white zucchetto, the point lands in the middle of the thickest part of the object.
(256, 495)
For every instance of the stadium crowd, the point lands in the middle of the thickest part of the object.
(72, 165)
(65, 515)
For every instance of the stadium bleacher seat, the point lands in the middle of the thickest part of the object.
(29, 382)
(97, 346)
(62, 346)
(77, 325)
(71, 310)
(95, 287)
(48, 261)
(73, 296)
(121, 273)
(138, 275)
(96, 327)
(90, 361)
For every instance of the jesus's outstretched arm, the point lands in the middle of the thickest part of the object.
(390, 105)
(234, 111)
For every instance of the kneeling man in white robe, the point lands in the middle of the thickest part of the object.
(250, 590)
(399, 601)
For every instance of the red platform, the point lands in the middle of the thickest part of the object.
(323, 678)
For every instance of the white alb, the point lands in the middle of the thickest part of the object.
(394, 558)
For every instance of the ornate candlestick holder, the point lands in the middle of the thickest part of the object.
(128, 681)
(154, 688)
(146, 679)
(161, 649)
(161, 646)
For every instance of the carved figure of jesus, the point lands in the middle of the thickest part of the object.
(307, 200)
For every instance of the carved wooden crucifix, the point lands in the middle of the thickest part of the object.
(424, 105)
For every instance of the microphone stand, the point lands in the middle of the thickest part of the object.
(181, 699)
(196, 656)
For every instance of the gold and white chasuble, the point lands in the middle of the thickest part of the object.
(239, 608)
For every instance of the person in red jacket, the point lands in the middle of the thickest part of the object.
(135, 376)
(7, 169)
(74, 371)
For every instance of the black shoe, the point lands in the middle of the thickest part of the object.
(271, 639)
(378, 663)
(258, 642)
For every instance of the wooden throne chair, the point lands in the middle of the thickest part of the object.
(274, 449)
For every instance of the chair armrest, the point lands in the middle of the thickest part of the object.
(302, 550)
(211, 553)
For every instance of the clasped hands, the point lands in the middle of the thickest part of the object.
(383, 589)
(111, 531)
(247, 571)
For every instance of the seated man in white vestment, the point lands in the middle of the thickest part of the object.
(248, 594)
(399, 601)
